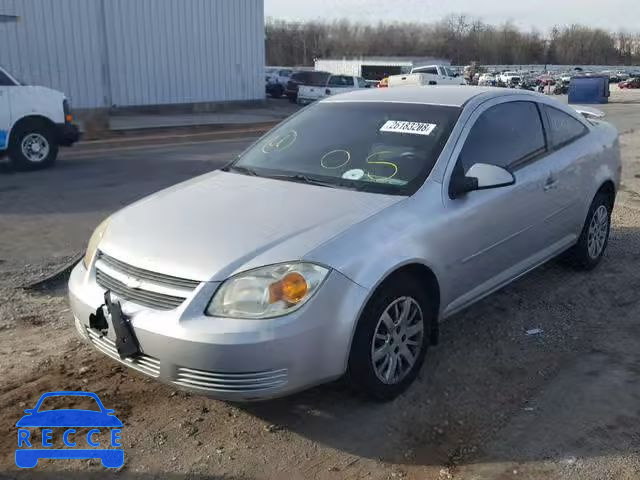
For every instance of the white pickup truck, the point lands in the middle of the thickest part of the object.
(335, 84)
(34, 122)
(510, 78)
(427, 75)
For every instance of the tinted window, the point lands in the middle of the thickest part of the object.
(317, 78)
(376, 147)
(563, 128)
(362, 83)
(5, 81)
(504, 135)
(340, 81)
(431, 70)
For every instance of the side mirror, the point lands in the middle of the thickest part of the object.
(481, 176)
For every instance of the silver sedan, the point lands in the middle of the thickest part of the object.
(336, 243)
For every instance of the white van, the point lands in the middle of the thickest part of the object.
(34, 122)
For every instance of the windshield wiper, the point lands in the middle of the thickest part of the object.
(239, 169)
(300, 178)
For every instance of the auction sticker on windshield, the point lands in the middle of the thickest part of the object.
(414, 128)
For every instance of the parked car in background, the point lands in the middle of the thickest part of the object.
(509, 78)
(277, 79)
(335, 84)
(631, 83)
(366, 219)
(34, 122)
(310, 78)
(487, 80)
(622, 75)
(427, 75)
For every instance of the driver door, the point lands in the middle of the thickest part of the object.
(496, 234)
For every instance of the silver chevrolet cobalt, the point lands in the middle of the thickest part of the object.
(335, 244)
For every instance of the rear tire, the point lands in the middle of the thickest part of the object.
(33, 146)
(594, 238)
(388, 349)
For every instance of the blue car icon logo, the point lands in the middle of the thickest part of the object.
(29, 452)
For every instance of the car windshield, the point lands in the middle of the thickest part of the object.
(63, 402)
(376, 147)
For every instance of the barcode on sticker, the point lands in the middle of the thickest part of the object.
(415, 128)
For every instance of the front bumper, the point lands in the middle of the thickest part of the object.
(67, 134)
(232, 359)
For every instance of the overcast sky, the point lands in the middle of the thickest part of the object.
(542, 14)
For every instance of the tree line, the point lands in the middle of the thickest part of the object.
(458, 38)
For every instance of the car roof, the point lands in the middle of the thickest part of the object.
(450, 95)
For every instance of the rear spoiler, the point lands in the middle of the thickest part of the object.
(588, 112)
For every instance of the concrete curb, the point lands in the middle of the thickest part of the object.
(130, 138)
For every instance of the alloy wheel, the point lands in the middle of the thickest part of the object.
(598, 230)
(397, 340)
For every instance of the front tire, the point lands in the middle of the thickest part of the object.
(594, 238)
(391, 339)
(33, 146)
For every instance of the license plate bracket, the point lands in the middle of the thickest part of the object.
(125, 339)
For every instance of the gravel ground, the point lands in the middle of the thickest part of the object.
(491, 402)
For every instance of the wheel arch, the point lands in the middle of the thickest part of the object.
(422, 273)
(608, 188)
(26, 120)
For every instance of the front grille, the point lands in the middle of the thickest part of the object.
(142, 274)
(230, 382)
(143, 287)
(143, 363)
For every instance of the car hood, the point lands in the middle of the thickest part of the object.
(69, 418)
(221, 223)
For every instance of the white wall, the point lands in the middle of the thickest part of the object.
(137, 52)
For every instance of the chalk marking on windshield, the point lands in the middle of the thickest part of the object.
(389, 164)
(280, 142)
(413, 128)
(335, 167)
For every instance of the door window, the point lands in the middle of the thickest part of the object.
(563, 128)
(506, 135)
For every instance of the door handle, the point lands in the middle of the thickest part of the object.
(550, 183)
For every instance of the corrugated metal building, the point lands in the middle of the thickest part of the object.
(375, 68)
(105, 53)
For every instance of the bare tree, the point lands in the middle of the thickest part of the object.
(459, 38)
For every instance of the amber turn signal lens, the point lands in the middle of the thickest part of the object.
(292, 288)
(69, 118)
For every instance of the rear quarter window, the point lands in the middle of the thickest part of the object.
(563, 128)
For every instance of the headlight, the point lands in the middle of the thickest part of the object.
(93, 242)
(267, 292)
